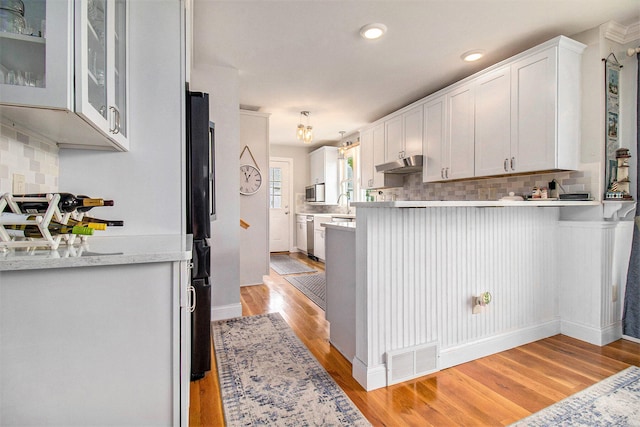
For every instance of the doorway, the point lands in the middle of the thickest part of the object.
(280, 204)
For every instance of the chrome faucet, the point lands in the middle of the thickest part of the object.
(347, 196)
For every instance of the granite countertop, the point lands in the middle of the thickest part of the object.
(97, 251)
(474, 203)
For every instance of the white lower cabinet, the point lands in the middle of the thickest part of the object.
(107, 344)
(301, 233)
(319, 234)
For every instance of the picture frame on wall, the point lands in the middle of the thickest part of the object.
(612, 141)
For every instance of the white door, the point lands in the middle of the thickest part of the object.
(280, 215)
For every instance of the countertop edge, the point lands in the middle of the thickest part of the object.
(473, 204)
(341, 226)
(135, 250)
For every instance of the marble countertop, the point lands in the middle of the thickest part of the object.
(471, 204)
(342, 226)
(97, 251)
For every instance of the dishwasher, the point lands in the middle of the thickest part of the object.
(310, 237)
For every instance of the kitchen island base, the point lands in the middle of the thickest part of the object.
(420, 270)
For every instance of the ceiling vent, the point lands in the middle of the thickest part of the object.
(411, 362)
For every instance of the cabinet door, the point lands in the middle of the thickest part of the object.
(316, 167)
(318, 244)
(393, 139)
(533, 103)
(460, 150)
(413, 132)
(367, 168)
(493, 123)
(118, 70)
(47, 60)
(101, 37)
(301, 236)
(378, 155)
(434, 139)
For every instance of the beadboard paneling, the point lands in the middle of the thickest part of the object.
(426, 265)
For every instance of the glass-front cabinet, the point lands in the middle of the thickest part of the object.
(67, 56)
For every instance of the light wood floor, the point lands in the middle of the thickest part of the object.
(495, 390)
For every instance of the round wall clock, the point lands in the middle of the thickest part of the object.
(250, 179)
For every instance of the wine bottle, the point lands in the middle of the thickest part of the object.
(68, 203)
(11, 223)
(88, 205)
(84, 223)
(109, 222)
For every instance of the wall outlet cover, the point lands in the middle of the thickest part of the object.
(18, 184)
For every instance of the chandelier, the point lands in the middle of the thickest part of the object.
(304, 133)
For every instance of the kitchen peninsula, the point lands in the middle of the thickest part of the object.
(420, 267)
(87, 330)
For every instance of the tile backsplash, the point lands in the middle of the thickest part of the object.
(29, 156)
(585, 180)
(491, 188)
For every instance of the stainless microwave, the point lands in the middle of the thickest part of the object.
(315, 193)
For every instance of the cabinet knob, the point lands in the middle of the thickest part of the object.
(513, 163)
(506, 165)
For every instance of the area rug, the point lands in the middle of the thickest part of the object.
(268, 377)
(284, 264)
(614, 401)
(314, 286)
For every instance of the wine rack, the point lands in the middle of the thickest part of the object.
(42, 221)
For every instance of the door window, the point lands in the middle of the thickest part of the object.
(275, 188)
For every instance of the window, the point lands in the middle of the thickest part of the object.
(348, 172)
(275, 188)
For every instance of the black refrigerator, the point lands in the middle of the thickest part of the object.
(200, 205)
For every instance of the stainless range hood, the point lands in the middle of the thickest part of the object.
(407, 165)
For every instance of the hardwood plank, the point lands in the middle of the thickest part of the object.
(495, 390)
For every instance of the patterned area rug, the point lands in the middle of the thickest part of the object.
(614, 401)
(314, 286)
(284, 264)
(268, 377)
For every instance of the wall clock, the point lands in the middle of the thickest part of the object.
(250, 180)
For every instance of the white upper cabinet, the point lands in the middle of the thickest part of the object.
(435, 155)
(371, 154)
(528, 112)
(101, 59)
(394, 138)
(78, 93)
(403, 134)
(460, 133)
(323, 169)
(493, 123)
(413, 124)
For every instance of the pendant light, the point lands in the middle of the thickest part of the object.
(303, 133)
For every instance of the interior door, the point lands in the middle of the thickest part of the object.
(280, 215)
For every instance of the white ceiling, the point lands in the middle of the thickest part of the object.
(308, 54)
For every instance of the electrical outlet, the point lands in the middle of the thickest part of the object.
(614, 293)
(18, 184)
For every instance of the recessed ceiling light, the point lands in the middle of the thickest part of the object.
(373, 31)
(472, 55)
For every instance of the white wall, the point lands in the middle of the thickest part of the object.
(300, 156)
(147, 182)
(222, 85)
(254, 209)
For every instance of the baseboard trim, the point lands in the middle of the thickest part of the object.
(222, 312)
(370, 378)
(495, 344)
(595, 336)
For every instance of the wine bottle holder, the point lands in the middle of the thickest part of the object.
(42, 221)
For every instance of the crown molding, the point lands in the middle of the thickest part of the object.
(620, 33)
